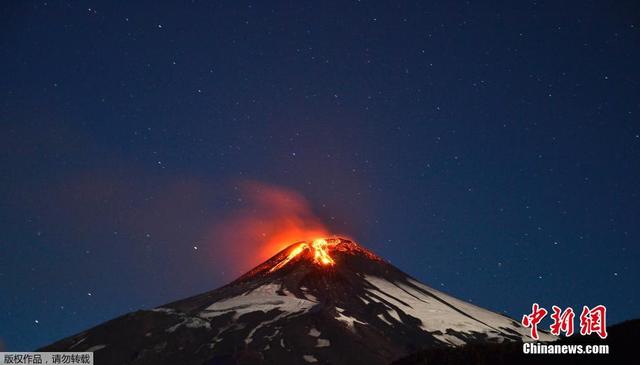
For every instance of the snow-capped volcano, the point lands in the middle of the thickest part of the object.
(328, 301)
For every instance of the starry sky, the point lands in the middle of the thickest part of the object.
(490, 150)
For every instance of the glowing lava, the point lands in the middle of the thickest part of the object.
(295, 252)
(320, 252)
(319, 248)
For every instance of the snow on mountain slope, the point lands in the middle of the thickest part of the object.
(262, 299)
(440, 312)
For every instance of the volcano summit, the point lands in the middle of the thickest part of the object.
(326, 301)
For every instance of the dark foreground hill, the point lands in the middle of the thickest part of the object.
(622, 341)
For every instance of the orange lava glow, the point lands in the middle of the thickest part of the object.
(295, 252)
(269, 220)
(318, 247)
(321, 252)
(288, 232)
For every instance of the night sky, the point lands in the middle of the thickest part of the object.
(493, 152)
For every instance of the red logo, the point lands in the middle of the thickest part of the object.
(594, 320)
(562, 321)
(533, 319)
(591, 320)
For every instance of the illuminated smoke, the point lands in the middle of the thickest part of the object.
(270, 219)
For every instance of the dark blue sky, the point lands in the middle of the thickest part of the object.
(491, 151)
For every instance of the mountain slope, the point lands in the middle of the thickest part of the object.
(327, 301)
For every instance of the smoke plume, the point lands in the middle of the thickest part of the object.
(270, 219)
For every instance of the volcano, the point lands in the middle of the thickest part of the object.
(327, 301)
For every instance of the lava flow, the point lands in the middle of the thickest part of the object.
(319, 248)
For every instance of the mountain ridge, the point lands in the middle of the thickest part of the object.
(323, 301)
